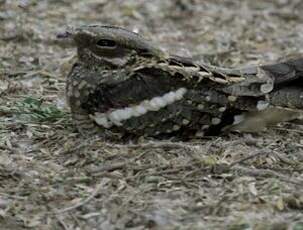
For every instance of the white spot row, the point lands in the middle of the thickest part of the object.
(115, 117)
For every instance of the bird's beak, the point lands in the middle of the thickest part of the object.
(66, 37)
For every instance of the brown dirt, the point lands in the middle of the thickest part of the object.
(51, 178)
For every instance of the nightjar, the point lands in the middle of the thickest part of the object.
(122, 84)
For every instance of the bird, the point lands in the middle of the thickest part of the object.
(123, 85)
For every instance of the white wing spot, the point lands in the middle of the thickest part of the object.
(115, 117)
(261, 105)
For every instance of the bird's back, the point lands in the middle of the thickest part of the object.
(123, 85)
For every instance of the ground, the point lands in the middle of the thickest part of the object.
(52, 178)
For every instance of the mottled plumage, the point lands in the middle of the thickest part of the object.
(122, 84)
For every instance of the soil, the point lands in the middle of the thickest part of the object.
(52, 178)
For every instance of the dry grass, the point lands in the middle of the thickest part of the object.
(51, 178)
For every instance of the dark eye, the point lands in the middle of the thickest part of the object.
(106, 43)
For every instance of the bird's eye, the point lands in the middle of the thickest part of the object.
(106, 43)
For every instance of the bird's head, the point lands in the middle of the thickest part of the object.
(109, 45)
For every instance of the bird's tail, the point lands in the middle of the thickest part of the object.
(288, 83)
(285, 96)
(288, 72)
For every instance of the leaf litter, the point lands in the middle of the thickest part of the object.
(52, 178)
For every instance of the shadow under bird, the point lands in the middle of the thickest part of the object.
(122, 84)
